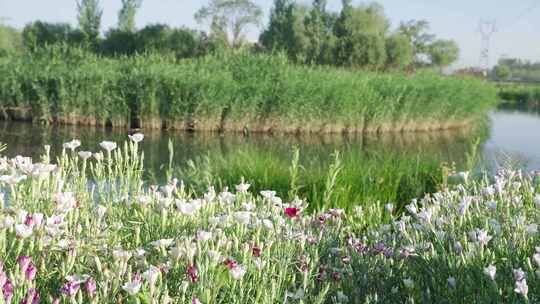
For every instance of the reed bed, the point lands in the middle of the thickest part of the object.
(522, 95)
(87, 229)
(238, 91)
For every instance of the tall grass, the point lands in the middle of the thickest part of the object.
(525, 95)
(239, 91)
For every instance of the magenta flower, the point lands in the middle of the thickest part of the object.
(90, 287)
(29, 220)
(192, 272)
(292, 212)
(32, 297)
(230, 263)
(7, 290)
(31, 271)
(256, 251)
(70, 289)
(3, 278)
(24, 262)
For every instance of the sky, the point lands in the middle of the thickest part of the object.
(518, 21)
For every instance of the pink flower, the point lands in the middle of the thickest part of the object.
(192, 272)
(56, 301)
(230, 263)
(90, 287)
(31, 271)
(7, 290)
(70, 289)
(32, 297)
(194, 300)
(29, 220)
(292, 212)
(24, 261)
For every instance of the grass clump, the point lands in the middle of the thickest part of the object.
(522, 95)
(235, 91)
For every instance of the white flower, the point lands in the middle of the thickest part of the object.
(186, 208)
(482, 237)
(8, 221)
(162, 243)
(537, 200)
(536, 259)
(132, 288)
(248, 206)
(519, 274)
(389, 208)
(268, 194)
(121, 255)
(101, 210)
(522, 288)
(98, 156)
(137, 137)
(451, 282)
(215, 256)
(299, 294)
(408, 282)
(85, 154)
(491, 205)
(77, 279)
(238, 272)
(268, 224)
(72, 145)
(23, 231)
(242, 187)
(243, 217)
(490, 271)
(151, 275)
(259, 263)
(203, 235)
(108, 145)
(531, 228)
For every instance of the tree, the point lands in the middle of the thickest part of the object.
(231, 17)
(442, 53)
(10, 40)
(39, 34)
(360, 33)
(118, 42)
(89, 17)
(279, 35)
(502, 72)
(399, 51)
(417, 33)
(318, 30)
(126, 16)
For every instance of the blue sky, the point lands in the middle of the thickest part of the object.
(518, 20)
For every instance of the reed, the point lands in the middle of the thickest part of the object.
(238, 91)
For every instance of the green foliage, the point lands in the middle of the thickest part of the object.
(399, 51)
(442, 53)
(89, 16)
(126, 16)
(280, 33)
(521, 95)
(502, 72)
(39, 34)
(10, 41)
(520, 70)
(417, 33)
(236, 91)
(230, 16)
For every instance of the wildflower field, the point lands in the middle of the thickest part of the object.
(86, 229)
(242, 91)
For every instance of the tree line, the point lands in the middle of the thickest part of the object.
(356, 36)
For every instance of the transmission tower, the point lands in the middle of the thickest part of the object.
(486, 29)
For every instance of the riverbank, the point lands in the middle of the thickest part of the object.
(232, 92)
(519, 95)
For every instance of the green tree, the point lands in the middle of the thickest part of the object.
(399, 51)
(10, 40)
(89, 17)
(318, 30)
(360, 33)
(502, 72)
(38, 34)
(126, 16)
(231, 17)
(442, 53)
(279, 35)
(417, 33)
(118, 42)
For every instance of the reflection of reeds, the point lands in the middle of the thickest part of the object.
(232, 92)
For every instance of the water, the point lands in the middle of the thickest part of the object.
(511, 138)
